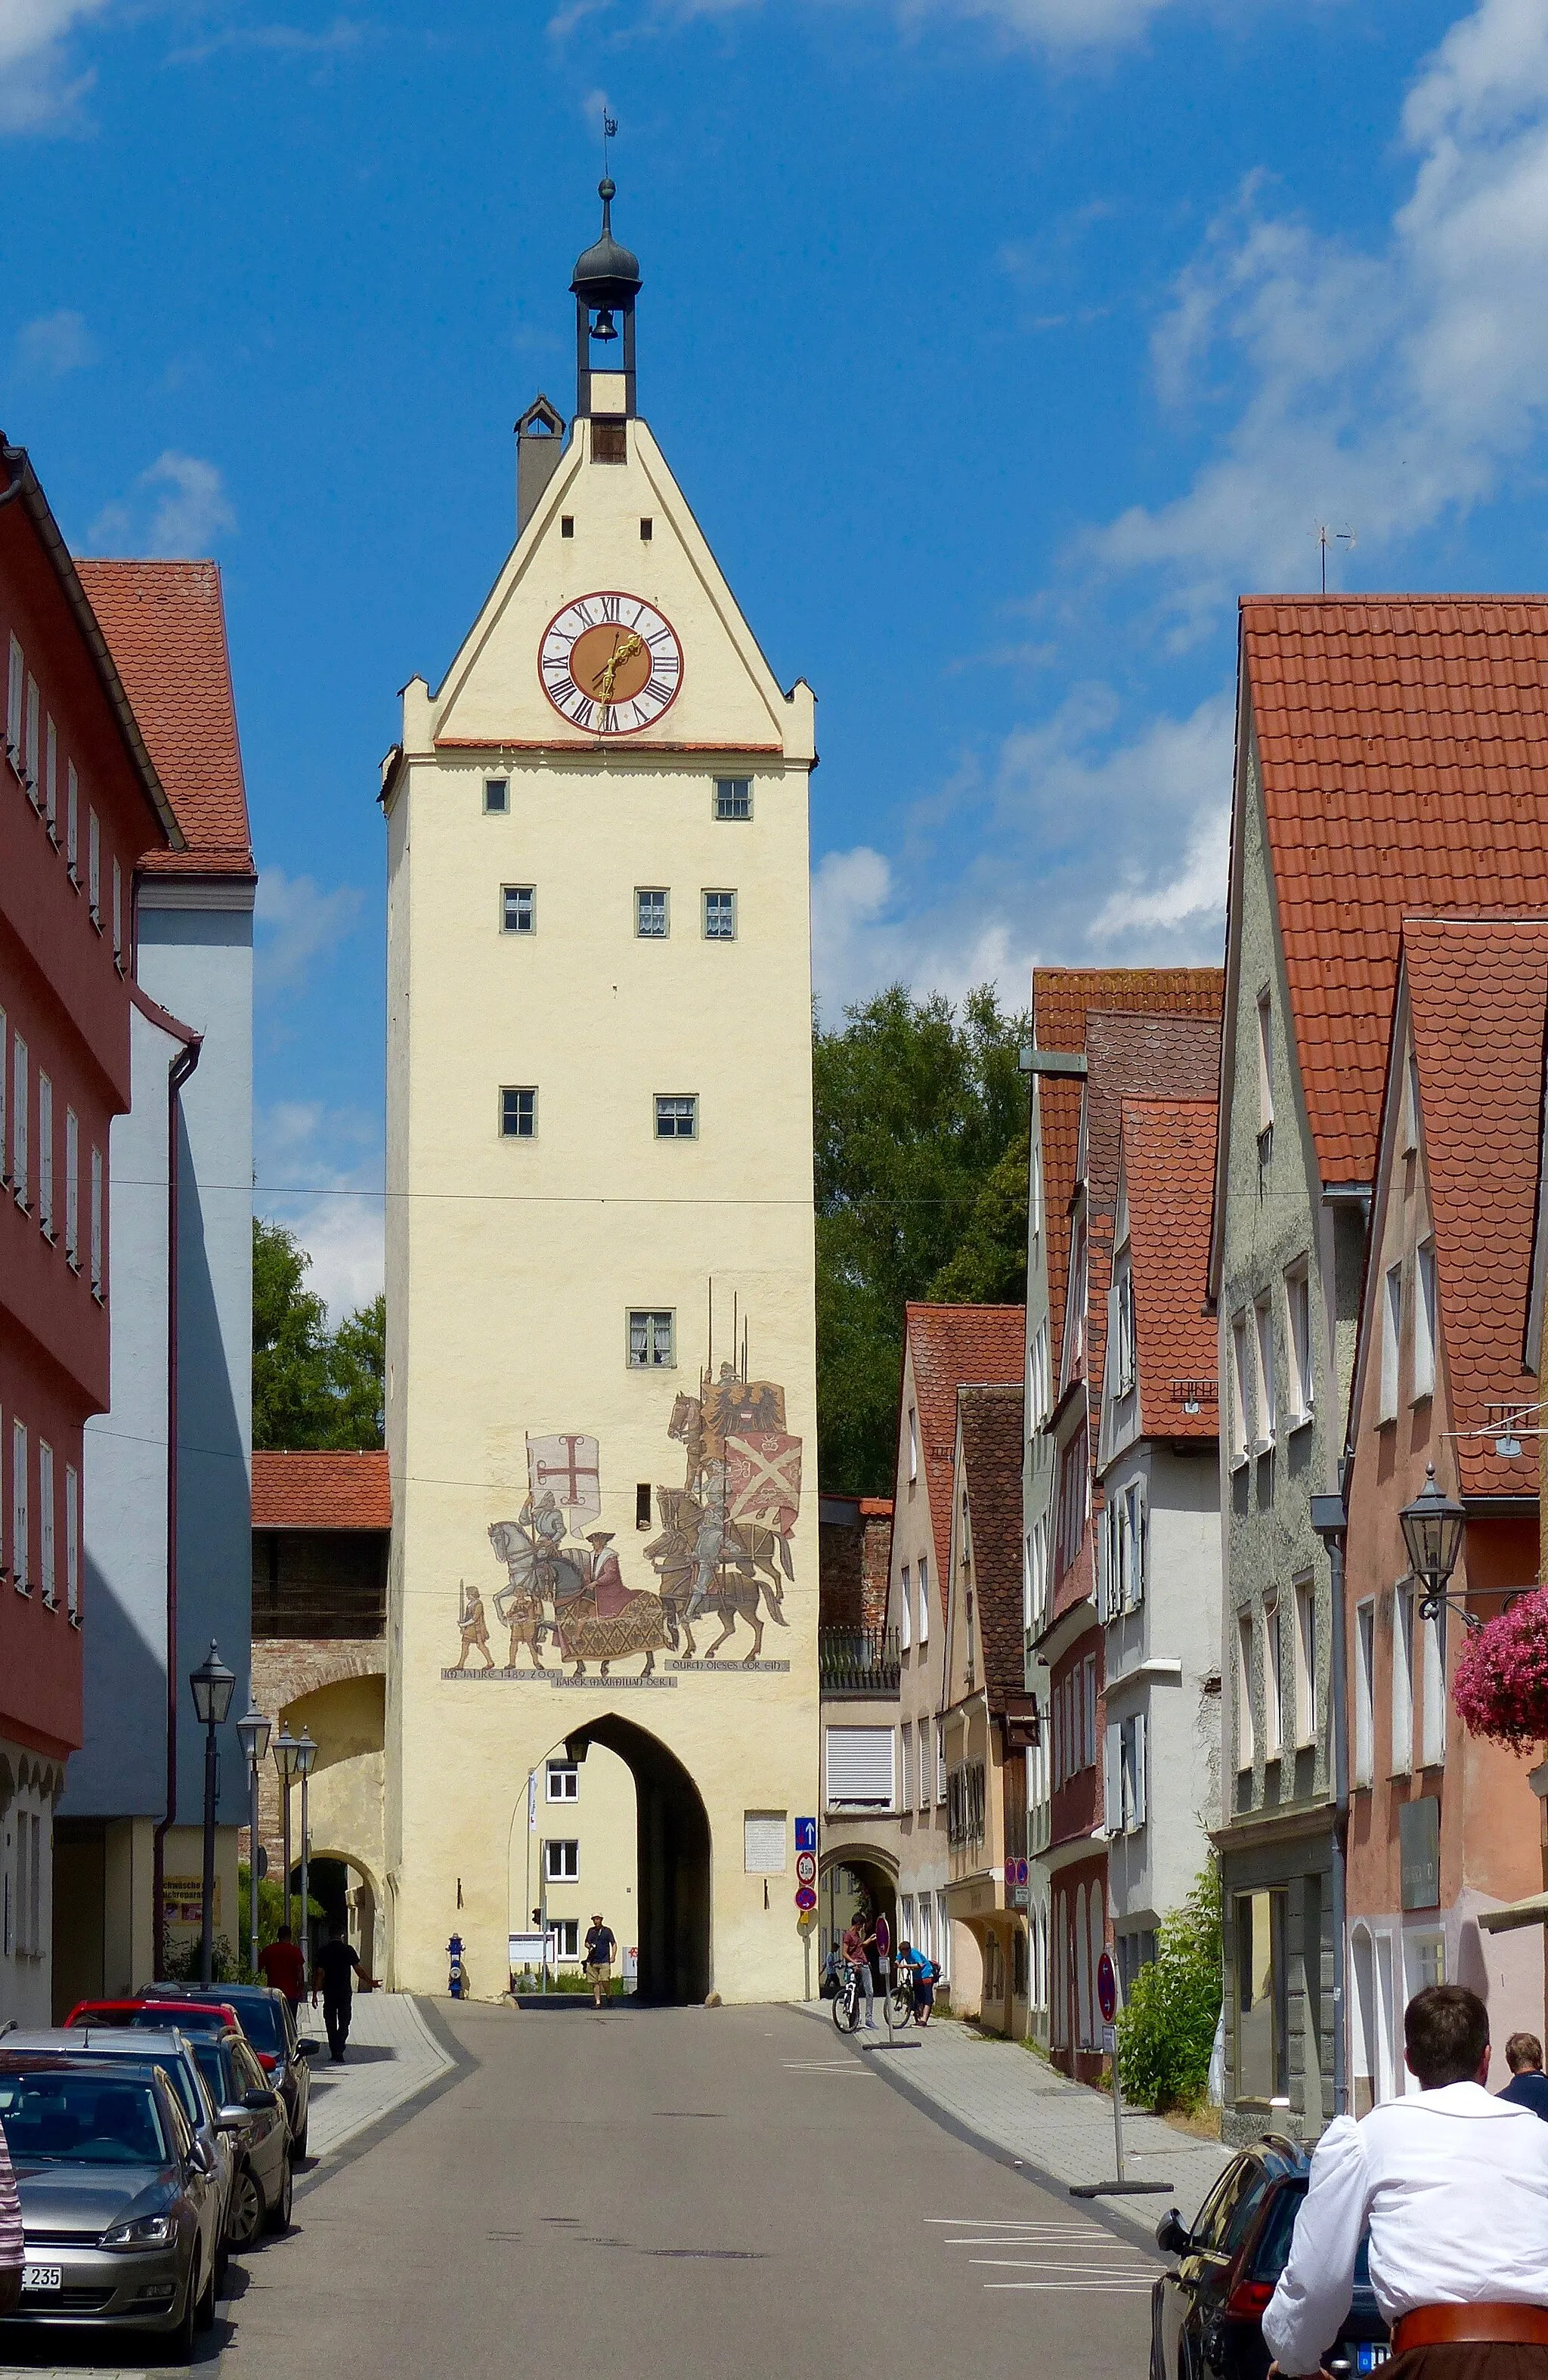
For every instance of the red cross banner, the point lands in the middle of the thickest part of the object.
(567, 1467)
(763, 1478)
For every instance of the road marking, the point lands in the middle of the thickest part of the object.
(1075, 2258)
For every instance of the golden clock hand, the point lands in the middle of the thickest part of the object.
(623, 651)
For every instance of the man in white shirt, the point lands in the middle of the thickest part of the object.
(1454, 2186)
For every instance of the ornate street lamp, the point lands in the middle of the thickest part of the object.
(1432, 1526)
(254, 1732)
(306, 1755)
(211, 1685)
(284, 1750)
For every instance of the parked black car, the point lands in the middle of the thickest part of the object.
(250, 2109)
(1207, 2313)
(269, 2021)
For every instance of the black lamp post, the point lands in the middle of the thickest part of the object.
(1432, 1526)
(213, 1685)
(285, 1748)
(255, 1732)
(306, 1754)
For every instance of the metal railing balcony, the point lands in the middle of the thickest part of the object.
(856, 1661)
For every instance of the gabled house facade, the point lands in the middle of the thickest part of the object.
(1390, 761)
(945, 1348)
(1055, 1061)
(1158, 1557)
(1127, 1052)
(1443, 1825)
(990, 1723)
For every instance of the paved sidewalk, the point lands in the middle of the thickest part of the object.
(391, 2055)
(1060, 2130)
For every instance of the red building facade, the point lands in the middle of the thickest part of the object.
(79, 805)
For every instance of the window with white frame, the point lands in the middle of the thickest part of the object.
(906, 1765)
(33, 769)
(1273, 1682)
(1433, 1708)
(496, 795)
(563, 1780)
(1424, 1321)
(20, 1544)
(676, 1115)
(1124, 1779)
(1305, 1590)
(1241, 1426)
(20, 1116)
(860, 1768)
(927, 1763)
(519, 1111)
(924, 1601)
(561, 1861)
(1026, 1606)
(1365, 1692)
(1034, 1185)
(1246, 1733)
(4, 1081)
(45, 1523)
(652, 1333)
(1089, 1708)
(1038, 1404)
(1123, 1327)
(72, 1187)
(1402, 1680)
(733, 797)
(519, 908)
(1392, 1338)
(1410, 1105)
(652, 921)
(943, 1936)
(1297, 1341)
(72, 823)
(51, 777)
(720, 916)
(905, 1617)
(1264, 1382)
(98, 1277)
(45, 1156)
(72, 1541)
(1265, 1061)
(913, 1446)
(566, 1936)
(14, 685)
(940, 1766)
(118, 915)
(94, 868)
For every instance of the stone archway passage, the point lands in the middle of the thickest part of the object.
(673, 1865)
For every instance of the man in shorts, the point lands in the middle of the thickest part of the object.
(600, 1947)
(921, 1974)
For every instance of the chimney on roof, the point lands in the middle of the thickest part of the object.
(539, 442)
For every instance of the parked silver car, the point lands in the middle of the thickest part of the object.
(120, 2204)
(174, 2054)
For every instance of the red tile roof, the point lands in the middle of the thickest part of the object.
(992, 1425)
(1061, 1000)
(1168, 1167)
(165, 624)
(949, 1345)
(1402, 745)
(1478, 992)
(303, 1488)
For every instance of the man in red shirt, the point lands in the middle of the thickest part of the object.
(282, 1967)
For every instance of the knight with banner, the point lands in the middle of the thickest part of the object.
(571, 1592)
(724, 1545)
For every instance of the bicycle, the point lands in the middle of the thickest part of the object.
(846, 2000)
(901, 1998)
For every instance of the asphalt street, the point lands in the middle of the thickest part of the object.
(695, 2192)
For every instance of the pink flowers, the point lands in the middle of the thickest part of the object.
(1501, 1685)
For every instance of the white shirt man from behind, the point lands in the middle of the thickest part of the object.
(1454, 2186)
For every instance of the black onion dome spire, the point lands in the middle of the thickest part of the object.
(606, 274)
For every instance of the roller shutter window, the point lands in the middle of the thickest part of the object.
(860, 1768)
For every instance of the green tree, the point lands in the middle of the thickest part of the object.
(922, 1192)
(1166, 2029)
(311, 1386)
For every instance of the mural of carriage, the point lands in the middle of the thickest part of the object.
(722, 1554)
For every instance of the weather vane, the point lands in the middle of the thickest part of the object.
(609, 132)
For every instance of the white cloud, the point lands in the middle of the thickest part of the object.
(1383, 389)
(1062, 28)
(296, 923)
(319, 1174)
(37, 90)
(53, 345)
(295, 41)
(182, 508)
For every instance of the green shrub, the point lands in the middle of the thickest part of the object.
(1167, 2030)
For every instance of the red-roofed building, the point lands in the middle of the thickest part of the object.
(1392, 762)
(1443, 1825)
(80, 804)
(1158, 1551)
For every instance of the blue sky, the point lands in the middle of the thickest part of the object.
(997, 343)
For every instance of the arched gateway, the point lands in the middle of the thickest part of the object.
(601, 1402)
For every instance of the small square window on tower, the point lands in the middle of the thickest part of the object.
(609, 442)
(650, 914)
(519, 1116)
(566, 524)
(647, 529)
(733, 797)
(519, 908)
(643, 1504)
(496, 794)
(650, 1349)
(720, 916)
(676, 1117)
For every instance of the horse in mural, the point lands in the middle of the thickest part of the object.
(698, 1544)
(550, 1594)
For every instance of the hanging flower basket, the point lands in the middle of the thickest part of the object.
(1501, 1685)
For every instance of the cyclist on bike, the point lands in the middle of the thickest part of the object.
(922, 1971)
(856, 1948)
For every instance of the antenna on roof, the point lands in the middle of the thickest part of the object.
(1326, 537)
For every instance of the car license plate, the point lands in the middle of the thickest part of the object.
(1369, 2357)
(41, 2277)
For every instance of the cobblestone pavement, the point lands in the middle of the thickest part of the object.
(1062, 2130)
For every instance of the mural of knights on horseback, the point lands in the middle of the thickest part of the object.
(722, 1553)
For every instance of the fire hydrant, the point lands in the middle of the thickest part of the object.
(458, 1978)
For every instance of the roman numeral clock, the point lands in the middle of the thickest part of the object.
(610, 663)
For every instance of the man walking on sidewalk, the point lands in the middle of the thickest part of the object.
(332, 1967)
(599, 1947)
(856, 1949)
(1454, 2186)
(283, 1968)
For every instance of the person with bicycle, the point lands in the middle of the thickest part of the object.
(855, 1953)
(922, 1971)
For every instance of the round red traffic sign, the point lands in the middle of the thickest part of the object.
(806, 1898)
(805, 1867)
(1106, 1987)
(1010, 1872)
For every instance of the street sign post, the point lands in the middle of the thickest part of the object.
(805, 1867)
(806, 1834)
(1107, 2000)
(805, 1897)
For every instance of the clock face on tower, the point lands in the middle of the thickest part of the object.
(610, 663)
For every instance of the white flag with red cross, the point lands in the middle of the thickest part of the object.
(566, 1465)
(763, 1478)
